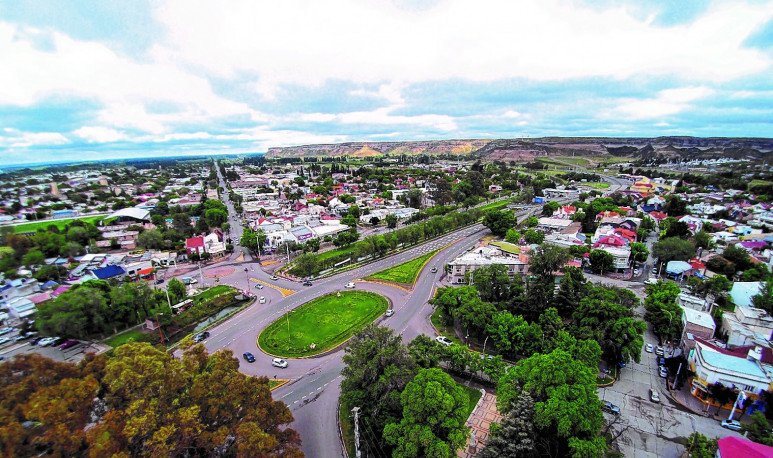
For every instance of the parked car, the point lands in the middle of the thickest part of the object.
(389, 313)
(274, 277)
(249, 357)
(189, 280)
(259, 286)
(636, 272)
(663, 371)
(4, 340)
(443, 340)
(611, 408)
(659, 351)
(69, 343)
(201, 336)
(654, 396)
(5, 330)
(279, 362)
(262, 300)
(733, 425)
(650, 281)
(661, 361)
(648, 348)
(46, 341)
(655, 270)
(159, 281)
(349, 285)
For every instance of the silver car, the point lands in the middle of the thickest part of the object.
(279, 362)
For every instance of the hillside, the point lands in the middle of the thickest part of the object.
(529, 149)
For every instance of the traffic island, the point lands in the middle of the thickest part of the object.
(321, 324)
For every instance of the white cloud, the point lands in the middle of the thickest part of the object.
(99, 134)
(18, 139)
(666, 103)
(378, 42)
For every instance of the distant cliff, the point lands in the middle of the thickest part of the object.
(528, 149)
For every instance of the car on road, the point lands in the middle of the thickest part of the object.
(259, 286)
(4, 340)
(733, 425)
(349, 285)
(262, 300)
(654, 396)
(69, 343)
(307, 283)
(389, 313)
(434, 269)
(663, 371)
(189, 281)
(648, 348)
(274, 277)
(659, 350)
(249, 357)
(611, 408)
(443, 340)
(279, 362)
(201, 336)
(650, 281)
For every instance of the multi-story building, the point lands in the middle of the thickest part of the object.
(517, 264)
(747, 369)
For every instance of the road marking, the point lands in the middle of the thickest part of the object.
(283, 291)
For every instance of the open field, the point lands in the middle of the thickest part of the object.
(496, 205)
(59, 223)
(322, 323)
(594, 185)
(133, 335)
(405, 273)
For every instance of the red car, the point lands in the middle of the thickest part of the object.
(69, 343)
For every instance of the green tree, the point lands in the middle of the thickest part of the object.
(703, 239)
(534, 237)
(434, 415)
(759, 429)
(737, 256)
(764, 300)
(499, 221)
(177, 291)
(306, 265)
(601, 261)
(661, 309)
(493, 283)
(78, 234)
(515, 437)
(673, 249)
(639, 252)
(151, 239)
(215, 217)
(78, 313)
(550, 207)
(33, 257)
(513, 236)
(531, 221)
(700, 446)
(572, 289)
(391, 221)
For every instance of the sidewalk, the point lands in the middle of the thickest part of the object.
(479, 423)
(694, 405)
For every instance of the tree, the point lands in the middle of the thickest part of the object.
(737, 256)
(700, 446)
(434, 416)
(77, 234)
(567, 410)
(703, 239)
(151, 239)
(758, 429)
(499, 221)
(601, 261)
(534, 237)
(78, 313)
(493, 283)
(33, 257)
(764, 300)
(515, 436)
(354, 211)
(550, 207)
(306, 265)
(215, 217)
(391, 221)
(572, 289)
(131, 302)
(378, 367)
(639, 252)
(176, 290)
(349, 220)
(662, 311)
(512, 236)
(756, 272)
(71, 249)
(673, 249)
(441, 192)
(675, 206)
(413, 197)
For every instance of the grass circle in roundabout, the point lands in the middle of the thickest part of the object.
(322, 323)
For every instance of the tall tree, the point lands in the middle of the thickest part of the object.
(499, 221)
(572, 289)
(434, 415)
(673, 249)
(515, 436)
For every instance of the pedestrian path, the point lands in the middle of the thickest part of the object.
(484, 414)
(283, 291)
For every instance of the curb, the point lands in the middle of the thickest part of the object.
(418, 274)
(282, 382)
(477, 404)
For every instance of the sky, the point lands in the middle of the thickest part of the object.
(109, 79)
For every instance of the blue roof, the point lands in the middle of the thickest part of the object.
(732, 363)
(677, 267)
(108, 272)
(743, 291)
(50, 284)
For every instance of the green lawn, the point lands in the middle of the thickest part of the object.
(59, 223)
(129, 336)
(474, 396)
(508, 247)
(326, 322)
(496, 205)
(334, 252)
(213, 292)
(405, 273)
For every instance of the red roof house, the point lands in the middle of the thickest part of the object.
(195, 245)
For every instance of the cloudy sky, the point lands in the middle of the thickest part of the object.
(98, 79)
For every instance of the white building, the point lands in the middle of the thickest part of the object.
(747, 326)
(486, 256)
(712, 365)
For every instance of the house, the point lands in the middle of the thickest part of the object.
(549, 225)
(18, 288)
(195, 245)
(712, 364)
(20, 307)
(214, 245)
(696, 323)
(468, 262)
(108, 272)
(743, 291)
(747, 325)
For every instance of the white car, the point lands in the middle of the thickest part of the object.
(654, 396)
(659, 351)
(4, 340)
(349, 285)
(443, 340)
(649, 348)
(733, 425)
(389, 313)
(663, 371)
(650, 281)
(259, 286)
(262, 300)
(279, 362)
(46, 341)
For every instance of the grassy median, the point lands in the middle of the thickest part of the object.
(405, 273)
(322, 323)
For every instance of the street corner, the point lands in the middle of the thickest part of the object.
(219, 272)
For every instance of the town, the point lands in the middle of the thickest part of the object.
(478, 275)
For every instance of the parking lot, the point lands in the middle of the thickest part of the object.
(73, 354)
(652, 429)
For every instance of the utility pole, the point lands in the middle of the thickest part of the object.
(673, 385)
(741, 397)
(201, 275)
(356, 412)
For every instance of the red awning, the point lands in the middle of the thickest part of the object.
(147, 271)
